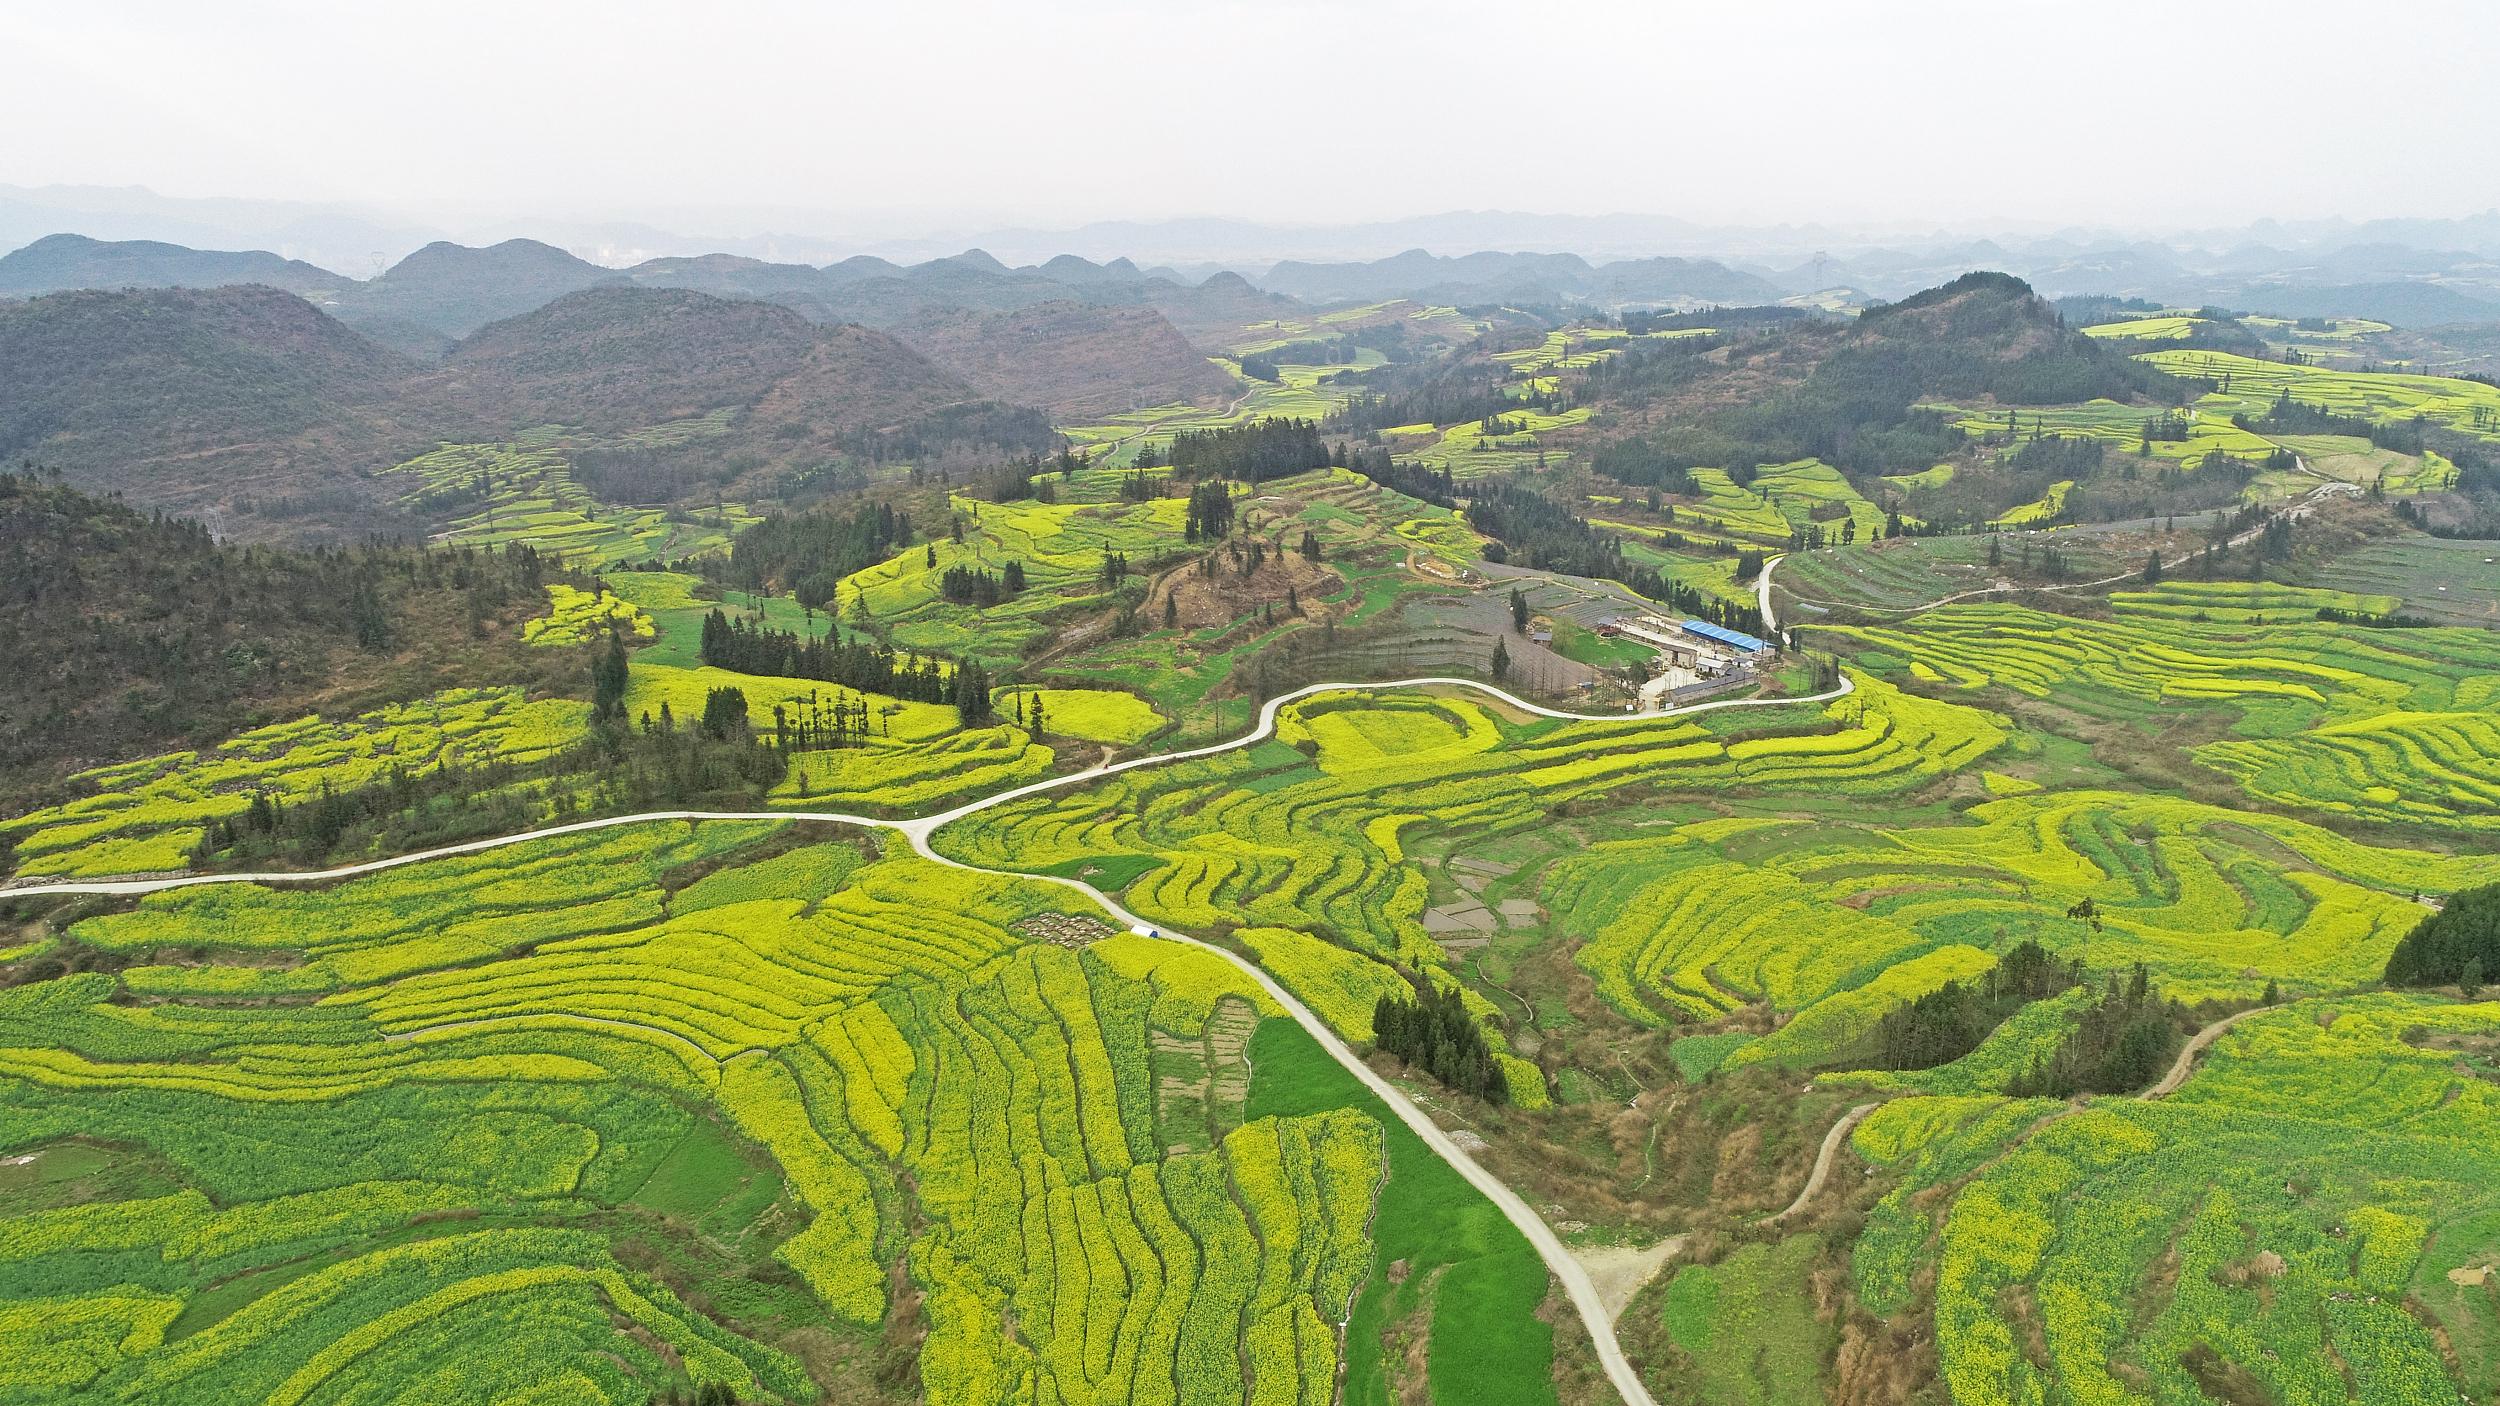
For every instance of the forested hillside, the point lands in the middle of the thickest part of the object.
(136, 632)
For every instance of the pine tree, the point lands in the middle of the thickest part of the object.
(607, 679)
(725, 714)
(1501, 661)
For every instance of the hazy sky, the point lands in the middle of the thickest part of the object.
(2146, 113)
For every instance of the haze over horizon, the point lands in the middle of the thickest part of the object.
(1940, 114)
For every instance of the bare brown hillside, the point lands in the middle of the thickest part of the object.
(1074, 360)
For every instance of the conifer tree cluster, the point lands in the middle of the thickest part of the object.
(2122, 1043)
(746, 648)
(1210, 515)
(970, 585)
(1433, 1032)
(2461, 940)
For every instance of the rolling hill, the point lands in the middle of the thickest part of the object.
(61, 262)
(195, 398)
(254, 409)
(446, 291)
(616, 358)
(1515, 277)
(182, 640)
(1077, 362)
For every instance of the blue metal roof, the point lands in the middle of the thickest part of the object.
(1725, 636)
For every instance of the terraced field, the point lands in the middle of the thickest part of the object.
(2269, 1225)
(684, 1080)
(658, 989)
(2209, 427)
(2451, 582)
(1574, 348)
(2160, 328)
(2469, 407)
(523, 490)
(1470, 451)
(1782, 499)
(1694, 923)
(576, 616)
(1296, 395)
(145, 816)
(1230, 841)
(805, 1115)
(1379, 551)
(2393, 725)
(1900, 575)
(670, 600)
(1061, 547)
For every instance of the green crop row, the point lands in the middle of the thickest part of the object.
(411, 1182)
(145, 815)
(2385, 724)
(523, 490)
(576, 616)
(2272, 1216)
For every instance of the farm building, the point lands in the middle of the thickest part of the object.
(1721, 635)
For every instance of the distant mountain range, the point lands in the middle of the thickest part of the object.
(1550, 279)
(362, 240)
(443, 291)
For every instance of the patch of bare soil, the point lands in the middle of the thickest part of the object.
(1619, 1271)
(1261, 581)
(2221, 1379)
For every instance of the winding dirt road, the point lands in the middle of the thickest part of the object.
(2197, 1044)
(1832, 1143)
(1583, 1291)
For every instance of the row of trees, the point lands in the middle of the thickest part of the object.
(1440, 400)
(2290, 416)
(970, 585)
(1253, 452)
(1210, 514)
(2123, 1042)
(656, 764)
(741, 646)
